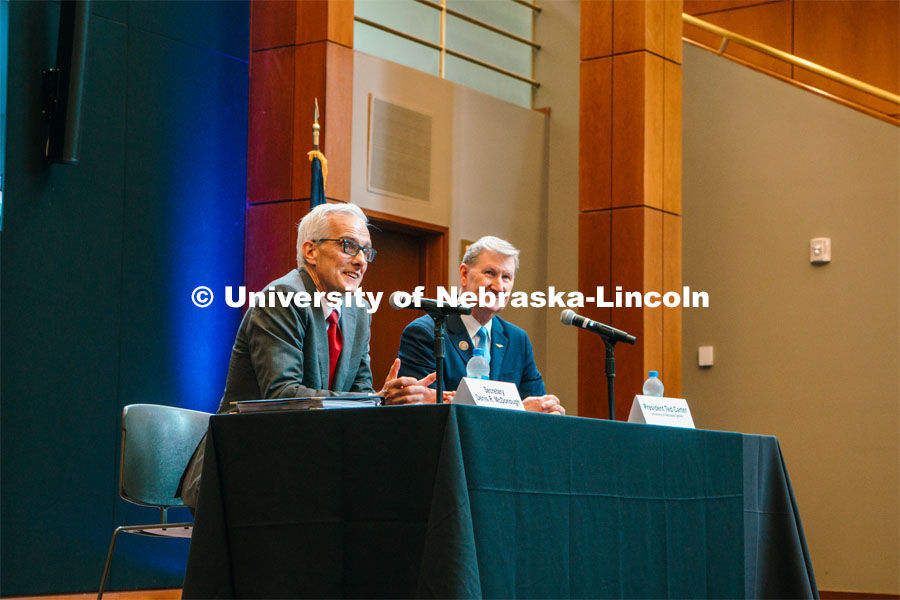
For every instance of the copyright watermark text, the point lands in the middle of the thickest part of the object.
(237, 297)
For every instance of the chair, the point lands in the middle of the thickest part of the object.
(157, 443)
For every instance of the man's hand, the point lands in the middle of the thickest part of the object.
(407, 390)
(545, 404)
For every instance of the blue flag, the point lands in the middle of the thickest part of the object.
(318, 172)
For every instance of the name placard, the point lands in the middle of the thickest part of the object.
(673, 412)
(483, 392)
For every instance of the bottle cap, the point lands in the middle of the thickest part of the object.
(478, 352)
(653, 374)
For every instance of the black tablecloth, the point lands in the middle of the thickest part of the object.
(458, 501)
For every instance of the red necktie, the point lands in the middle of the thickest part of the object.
(335, 343)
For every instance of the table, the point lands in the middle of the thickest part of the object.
(470, 502)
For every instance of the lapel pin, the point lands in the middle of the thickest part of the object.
(463, 345)
(499, 345)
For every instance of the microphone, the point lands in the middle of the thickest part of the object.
(610, 333)
(425, 304)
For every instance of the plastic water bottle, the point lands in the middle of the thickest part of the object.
(478, 367)
(653, 386)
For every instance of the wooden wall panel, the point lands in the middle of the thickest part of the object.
(628, 272)
(595, 239)
(593, 270)
(270, 244)
(653, 281)
(272, 24)
(309, 83)
(639, 26)
(766, 23)
(635, 100)
(337, 126)
(671, 187)
(627, 154)
(276, 23)
(859, 39)
(325, 20)
(269, 147)
(672, 280)
(312, 24)
(673, 30)
(637, 134)
(340, 23)
(596, 29)
(299, 209)
(700, 7)
(595, 134)
(654, 129)
(325, 71)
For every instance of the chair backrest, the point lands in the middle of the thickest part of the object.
(157, 443)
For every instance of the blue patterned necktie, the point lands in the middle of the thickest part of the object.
(483, 344)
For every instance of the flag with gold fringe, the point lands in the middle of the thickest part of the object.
(317, 175)
(318, 167)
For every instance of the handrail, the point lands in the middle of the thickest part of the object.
(790, 58)
(479, 23)
(512, 74)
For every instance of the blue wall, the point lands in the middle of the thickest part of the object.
(98, 262)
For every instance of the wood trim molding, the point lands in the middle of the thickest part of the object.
(834, 595)
(163, 594)
(437, 239)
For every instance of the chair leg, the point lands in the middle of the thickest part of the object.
(109, 555)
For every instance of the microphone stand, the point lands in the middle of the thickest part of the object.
(439, 328)
(610, 375)
(610, 336)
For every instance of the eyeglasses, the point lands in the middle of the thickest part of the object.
(351, 248)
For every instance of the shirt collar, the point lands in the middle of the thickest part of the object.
(472, 326)
(326, 311)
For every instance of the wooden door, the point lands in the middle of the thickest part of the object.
(410, 253)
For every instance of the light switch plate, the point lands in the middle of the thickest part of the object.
(820, 250)
(705, 356)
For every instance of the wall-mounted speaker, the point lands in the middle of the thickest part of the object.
(64, 84)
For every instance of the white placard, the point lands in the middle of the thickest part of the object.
(484, 392)
(651, 410)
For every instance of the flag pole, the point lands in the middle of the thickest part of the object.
(316, 127)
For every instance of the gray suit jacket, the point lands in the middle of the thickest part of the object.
(283, 353)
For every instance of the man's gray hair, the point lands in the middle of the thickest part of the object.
(317, 224)
(491, 244)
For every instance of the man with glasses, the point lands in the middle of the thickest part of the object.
(291, 352)
(490, 264)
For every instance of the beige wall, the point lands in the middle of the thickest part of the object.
(488, 171)
(556, 67)
(810, 354)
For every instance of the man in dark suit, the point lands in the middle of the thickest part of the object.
(490, 264)
(297, 351)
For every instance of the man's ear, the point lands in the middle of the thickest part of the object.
(463, 274)
(310, 252)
